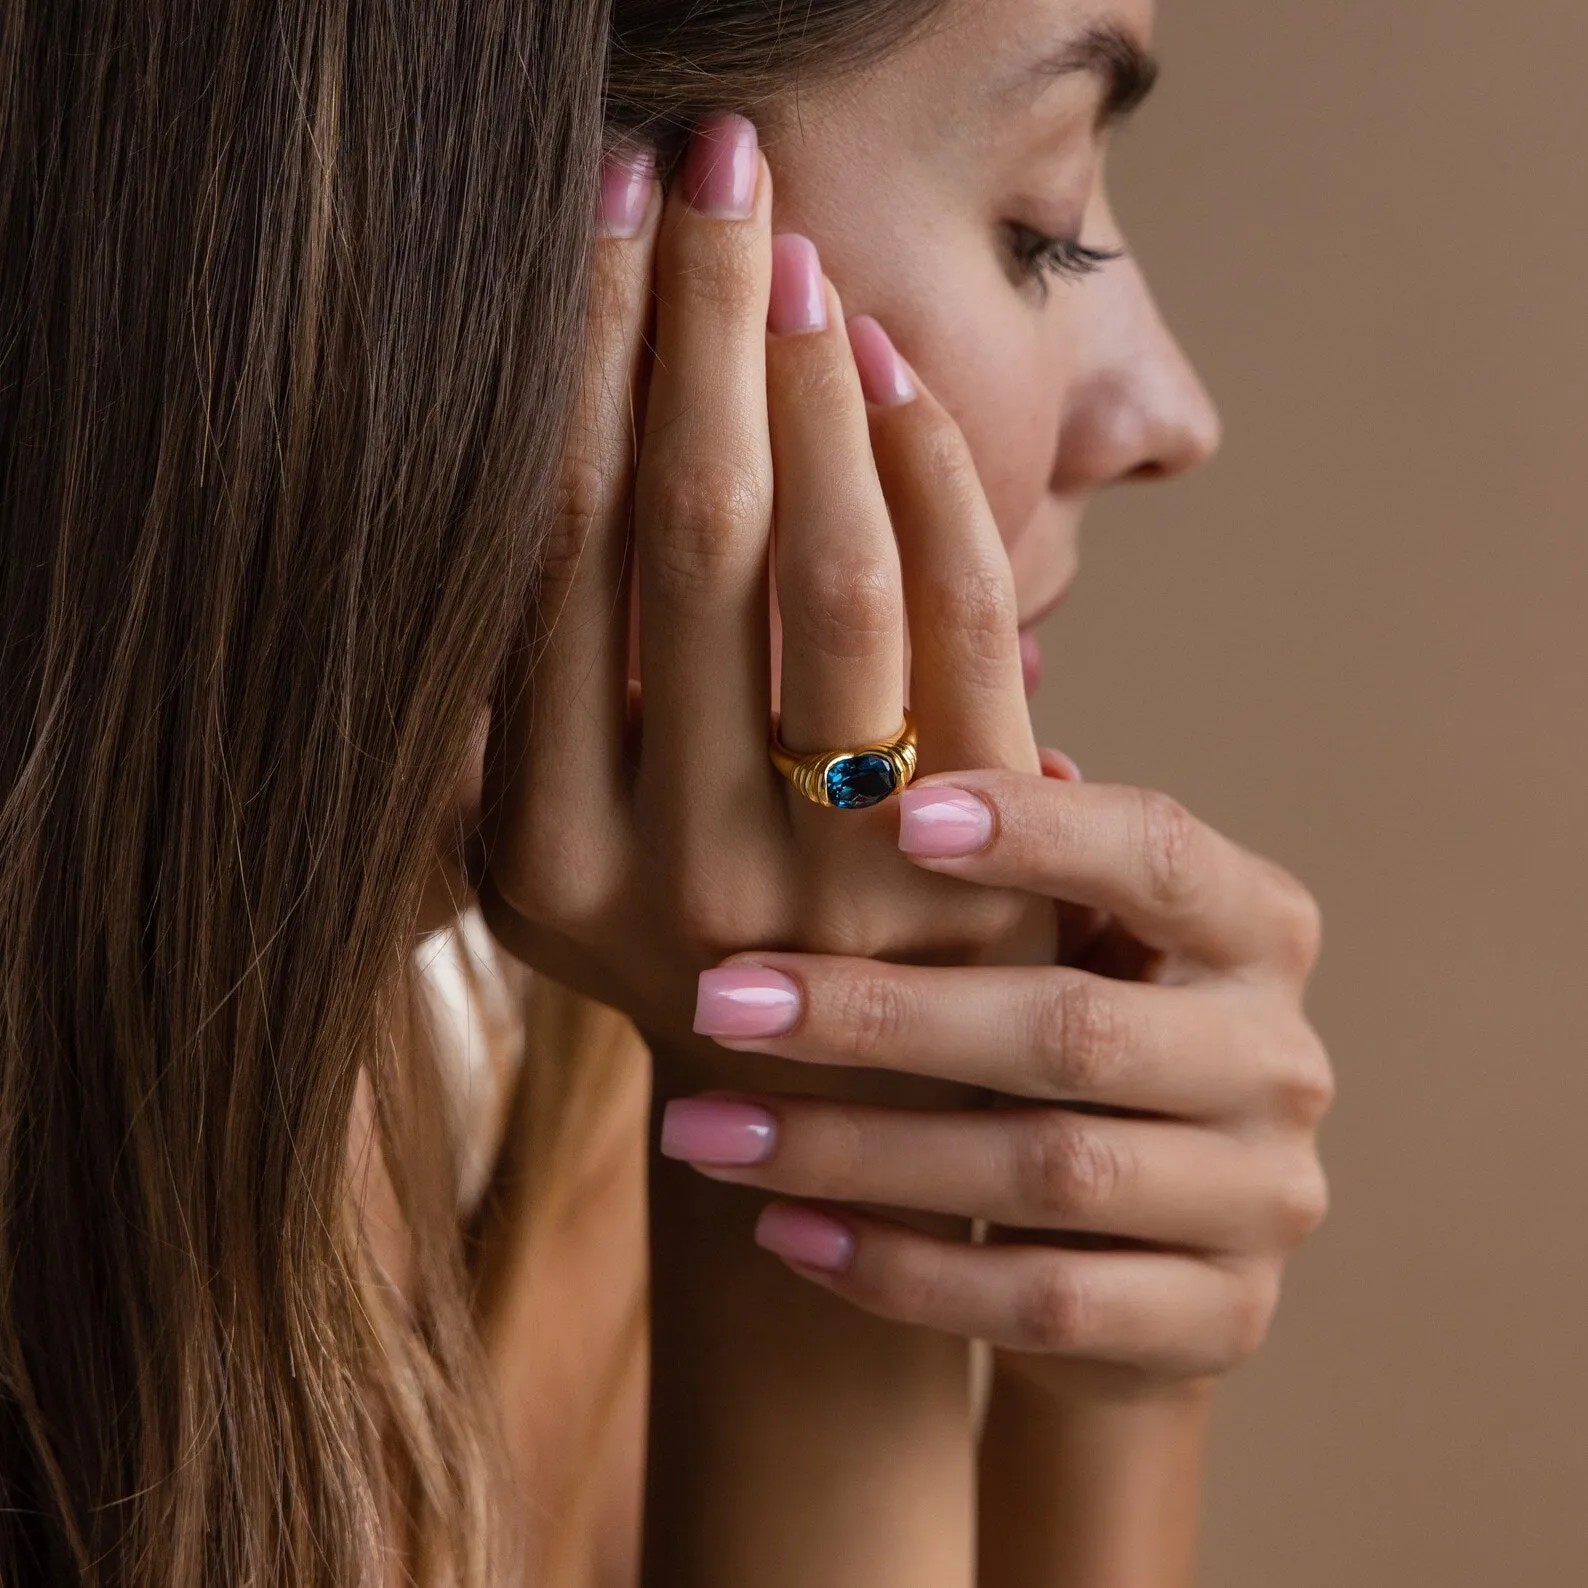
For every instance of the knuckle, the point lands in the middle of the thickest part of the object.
(941, 451)
(617, 300)
(1298, 926)
(1256, 1299)
(716, 268)
(1079, 1037)
(1306, 1086)
(700, 511)
(812, 375)
(705, 917)
(583, 488)
(906, 1284)
(1069, 1171)
(558, 891)
(848, 1151)
(835, 1155)
(843, 606)
(1052, 1311)
(974, 612)
(1302, 1204)
(869, 1017)
(830, 924)
(1167, 835)
(982, 927)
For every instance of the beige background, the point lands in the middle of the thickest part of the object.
(1358, 641)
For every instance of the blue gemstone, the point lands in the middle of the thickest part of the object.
(860, 780)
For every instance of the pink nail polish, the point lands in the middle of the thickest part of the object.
(804, 1236)
(711, 1130)
(799, 296)
(883, 377)
(627, 177)
(721, 168)
(746, 1002)
(942, 823)
(1056, 764)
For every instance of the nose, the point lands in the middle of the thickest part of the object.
(1138, 410)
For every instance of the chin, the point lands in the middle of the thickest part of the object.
(1045, 559)
(1041, 599)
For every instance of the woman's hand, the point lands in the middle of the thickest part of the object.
(629, 851)
(1155, 1161)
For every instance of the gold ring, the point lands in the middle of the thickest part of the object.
(850, 780)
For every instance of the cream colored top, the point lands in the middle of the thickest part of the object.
(477, 995)
(562, 1265)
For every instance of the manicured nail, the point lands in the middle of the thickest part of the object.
(627, 177)
(805, 1236)
(746, 1002)
(721, 168)
(799, 296)
(1056, 764)
(940, 823)
(883, 377)
(711, 1130)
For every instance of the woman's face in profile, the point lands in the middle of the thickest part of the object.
(946, 189)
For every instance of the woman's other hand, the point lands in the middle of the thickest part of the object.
(1154, 1160)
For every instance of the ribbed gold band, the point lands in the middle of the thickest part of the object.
(811, 774)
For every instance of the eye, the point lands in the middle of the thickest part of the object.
(1036, 256)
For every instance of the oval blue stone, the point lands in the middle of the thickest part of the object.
(860, 780)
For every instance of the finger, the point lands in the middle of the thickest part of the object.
(1049, 1035)
(1160, 1312)
(1171, 880)
(703, 495)
(966, 682)
(1029, 1168)
(560, 713)
(838, 587)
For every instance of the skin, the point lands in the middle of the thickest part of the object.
(1100, 949)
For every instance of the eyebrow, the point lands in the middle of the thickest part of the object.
(1109, 53)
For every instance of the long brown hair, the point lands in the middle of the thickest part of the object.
(290, 306)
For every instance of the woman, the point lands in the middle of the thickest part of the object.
(282, 437)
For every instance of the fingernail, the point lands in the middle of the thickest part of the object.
(626, 180)
(939, 823)
(746, 1001)
(805, 1236)
(1056, 764)
(721, 167)
(713, 1131)
(883, 377)
(799, 296)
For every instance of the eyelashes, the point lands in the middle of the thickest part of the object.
(1038, 257)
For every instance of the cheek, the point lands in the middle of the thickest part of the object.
(1001, 374)
(993, 365)
(990, 372)
(940, 291)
